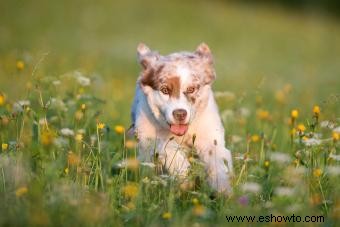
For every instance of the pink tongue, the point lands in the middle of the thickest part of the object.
(178, 130)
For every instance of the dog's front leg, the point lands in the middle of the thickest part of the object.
(218, 165)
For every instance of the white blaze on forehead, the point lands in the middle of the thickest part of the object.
(184, 73)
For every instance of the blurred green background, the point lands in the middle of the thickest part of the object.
(258, 47)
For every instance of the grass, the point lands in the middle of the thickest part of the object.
(62, 135)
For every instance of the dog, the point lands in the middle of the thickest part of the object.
(173, 104)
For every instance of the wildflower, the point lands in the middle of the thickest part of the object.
(263, 114)
(119, 129)
(67, 132)
(83, 107)
(316, 111)
(20, 65)
(266, 164)
(130, 144)
(21, 191)
(317, 172)
(132, 164)
(243, 200)
(79, 137)
(82, 80)
(301, 128)
(335, 136)
(251, 187)
(4, 146)
(46, 137)
(100, 125)
(199, 210)
(294, 114)
(73, 159)
(167, 215)
(2, 99)
(130, 191)
(66, 170)
(255, 138)
(311, 141)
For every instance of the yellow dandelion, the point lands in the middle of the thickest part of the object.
(316, 111)
(66, 170)
(132, 164)
(119, 129)
(301, 128)
(166, 215)
(130, 144)
(47, 137)
(2, 99)
(4, 146)
(263, 114)
(73, 159)
(317, 172)
(335, 136)
(100, 125)
(21, 191)
(294, 114)
(255, 138)
(266, 164)
(79, 137)
(20, 65)
(130, 191)
(83, 106)
(199, 210)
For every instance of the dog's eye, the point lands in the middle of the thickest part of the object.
(164, 90)
(190, 90)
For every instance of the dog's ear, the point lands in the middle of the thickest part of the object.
(146, 57)
(203, 51)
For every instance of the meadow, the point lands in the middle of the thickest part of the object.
(67, 80)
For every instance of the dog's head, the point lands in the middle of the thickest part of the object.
(176, 85)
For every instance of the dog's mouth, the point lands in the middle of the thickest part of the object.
(179, 129)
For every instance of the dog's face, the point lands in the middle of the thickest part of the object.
(176, 85)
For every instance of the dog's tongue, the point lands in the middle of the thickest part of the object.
(178, 130)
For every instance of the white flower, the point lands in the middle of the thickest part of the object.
(336, 157)
(67, 132)
(284, 191)
(244, 112)
(337, 129)
(24, 102)
(280, 157)
(333, 170)
(236, 139)
(82, 80)
(311, 142)
(251, 187)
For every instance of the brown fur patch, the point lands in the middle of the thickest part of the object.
(174, 85)
(150, 77)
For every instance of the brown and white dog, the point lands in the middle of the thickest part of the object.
(174, 103)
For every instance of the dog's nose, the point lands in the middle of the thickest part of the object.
(179, 114)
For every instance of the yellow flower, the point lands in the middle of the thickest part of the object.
(316, 110)
(20, 65)
(119, 129)
(66, 170)
(317, 172)
(130, 144)
(263, 114)
(335, 136)
(130, 191)
(199, 210)
(21, 191)
(4, 146)
(132, 164)
(79, 137)
(255, 138)
(46, 137)
(301, 128)
(100, 125)
(73, 159)
(266, 164)
(2, 99)
(166, 215)
(294, 114)
(83, 106)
